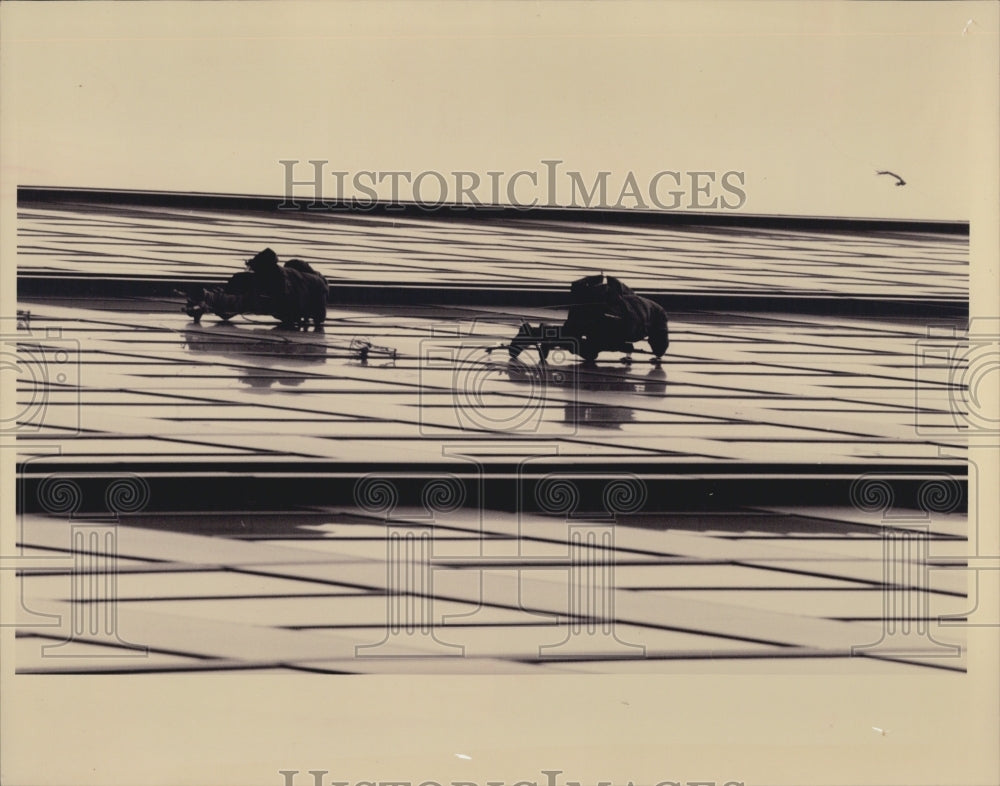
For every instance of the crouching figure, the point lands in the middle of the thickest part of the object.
(293, 293)
(605, 316)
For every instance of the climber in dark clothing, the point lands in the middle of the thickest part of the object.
(605, 316)
(294, 293)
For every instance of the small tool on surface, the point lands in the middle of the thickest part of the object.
(365, 348)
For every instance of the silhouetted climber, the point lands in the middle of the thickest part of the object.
(295, 293)
(605, 316)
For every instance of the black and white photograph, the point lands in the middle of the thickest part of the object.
(528, 393)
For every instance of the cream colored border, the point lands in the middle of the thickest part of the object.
(239, 729)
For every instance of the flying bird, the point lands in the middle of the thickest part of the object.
(899, 180)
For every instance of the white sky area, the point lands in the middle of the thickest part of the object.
(808, 100)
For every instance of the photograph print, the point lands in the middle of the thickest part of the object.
(652, 342)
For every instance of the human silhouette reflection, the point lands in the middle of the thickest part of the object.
(262, 349)
(580, 379)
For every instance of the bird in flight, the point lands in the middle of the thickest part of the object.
(899, 180)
